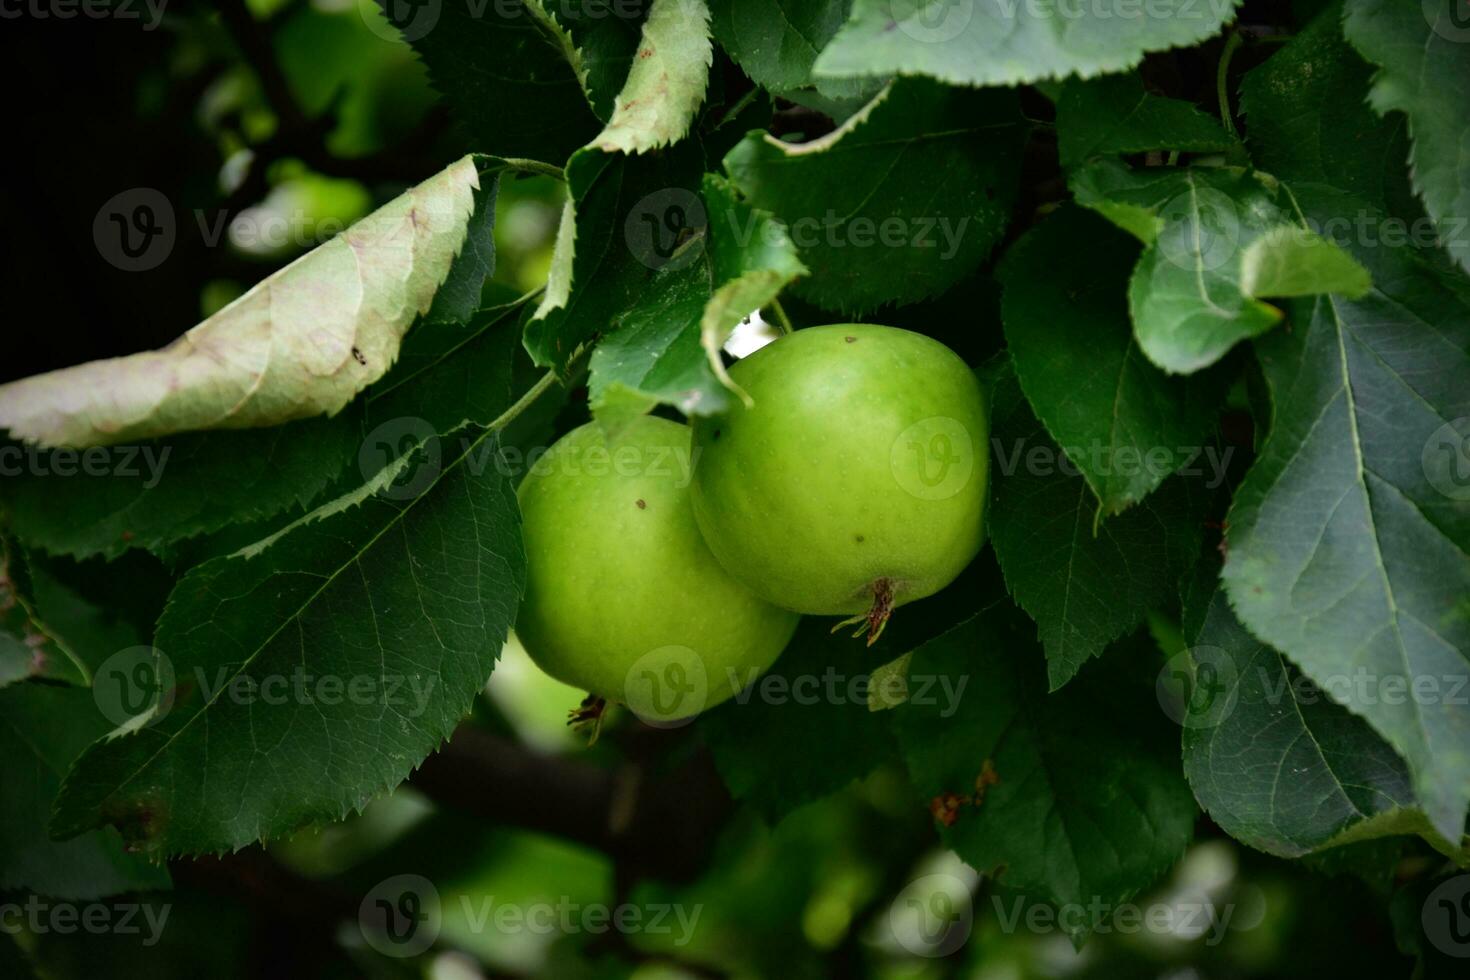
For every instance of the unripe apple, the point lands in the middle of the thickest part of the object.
(855, 481)
(623, 598)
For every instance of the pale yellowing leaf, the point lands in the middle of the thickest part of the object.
(302, 342)
(667, 81)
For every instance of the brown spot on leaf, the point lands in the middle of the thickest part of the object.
(139, 821)
(642, 504)
(988, 777)
(945, 807)
(850, 339)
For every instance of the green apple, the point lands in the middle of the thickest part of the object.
(623, 598)
(856, 479)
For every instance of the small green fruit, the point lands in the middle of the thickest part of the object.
(856, 482)
(623, 597)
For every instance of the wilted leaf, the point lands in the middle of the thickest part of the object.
(302, 342)
(666, 82)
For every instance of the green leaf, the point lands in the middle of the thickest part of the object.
(1073, 798)
(776, 42)
(818, 695)
(1291, 261)
(1085, 581)
(1126, 423)
(1114, 115)
(751, 259)
(511, 73)
(1350, 537)
(104, 501)
(302, 342)
(451, 373)
(994, 42)
(1308, 120)
(316, 668)
(815, 697)
(28, 646)
(901, 201)
(666, 349)
(666, 83)
(1188, 297)
(603, 43)
(1274, 760)
(655, 355)
(626, 220)
(42, 729)
(1423, 53)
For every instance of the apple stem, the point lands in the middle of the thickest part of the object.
(587, 717)
(875, 620)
